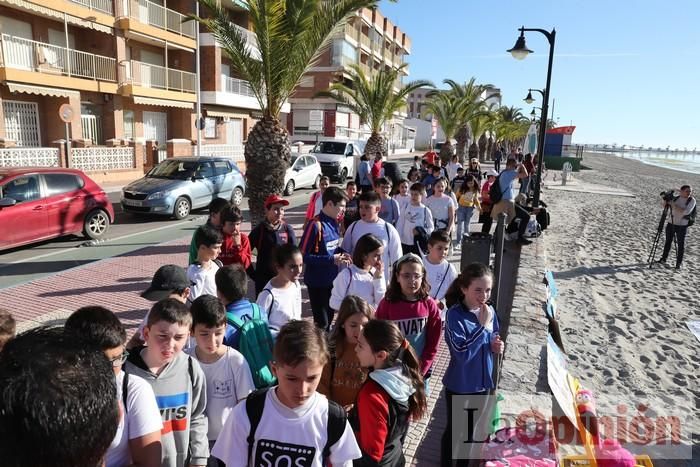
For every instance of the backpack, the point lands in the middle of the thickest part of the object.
(255, 344)
(495, 193)
(693, 214)
(337, 420)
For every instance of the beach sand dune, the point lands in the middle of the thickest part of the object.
(624, 325)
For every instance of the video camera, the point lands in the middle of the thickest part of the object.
(667, 196)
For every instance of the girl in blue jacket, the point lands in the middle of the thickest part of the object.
(471, 333)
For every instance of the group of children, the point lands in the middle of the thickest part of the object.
(211, 378)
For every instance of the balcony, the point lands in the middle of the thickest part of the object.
(103, 6)
(234, 93)
(352, 32)
(173, 26)
(23, 58)
(146, 82)
(237, 86)
(365, 42)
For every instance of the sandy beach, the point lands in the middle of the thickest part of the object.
(623, 324)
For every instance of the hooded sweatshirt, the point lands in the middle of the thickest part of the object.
(380, 417)
(181, 398)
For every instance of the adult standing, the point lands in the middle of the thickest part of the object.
(530, 167)
(506, 183)
(677, 223)
(364, 175)
(497, 158)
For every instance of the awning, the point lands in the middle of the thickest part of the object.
(59, 15)
(41, 90)
(163, 102)
(223, 112)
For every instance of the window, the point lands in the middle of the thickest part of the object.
(22, 189)
(221, 168)
(210, 127)
(205, 169)
(128, 124)
(62, 183)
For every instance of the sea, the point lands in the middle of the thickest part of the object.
(684, 161)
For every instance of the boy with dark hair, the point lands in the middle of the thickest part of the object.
(169, 281)
(389, 212)
(231, 288)
(8, 328)
(369, 222)
(235, 245)
(290, 419)
(137, 441)
(320, 246)
(438, 271)
(39, 369)
(201, 273)
(429, 179)
(225, 370)
(216, 208)
(177, 381)
(266, 237)
(458, 181)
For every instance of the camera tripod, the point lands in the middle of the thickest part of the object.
(659, 231)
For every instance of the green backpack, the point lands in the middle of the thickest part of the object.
(255, 344)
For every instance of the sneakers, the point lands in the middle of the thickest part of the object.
(523, 241)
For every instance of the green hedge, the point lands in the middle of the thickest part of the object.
(557, 163)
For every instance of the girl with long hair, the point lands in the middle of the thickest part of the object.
(364, 277)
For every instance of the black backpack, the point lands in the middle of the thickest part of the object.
(495, 192)
(337, 420)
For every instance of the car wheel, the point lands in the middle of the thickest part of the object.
(182, 208)
(316, 182)
(343, 175)
(96, 224)
(289, 188)
(237, 196)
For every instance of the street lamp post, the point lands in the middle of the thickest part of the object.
(519, 52)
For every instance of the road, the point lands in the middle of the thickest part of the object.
(128, 233)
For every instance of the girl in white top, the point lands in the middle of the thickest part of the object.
(442, 206)
(281, 297)
(403, 197)
(365, 277)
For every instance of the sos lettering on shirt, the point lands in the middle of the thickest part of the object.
(272, 453)
(173, 411)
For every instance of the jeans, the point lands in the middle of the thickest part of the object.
(464, 215)
(497, 165)
(679, 232)
(323, 313)
(525, 185)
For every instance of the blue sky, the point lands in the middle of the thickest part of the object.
(625, 72)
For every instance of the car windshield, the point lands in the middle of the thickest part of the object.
(179, 170)
(330, 147)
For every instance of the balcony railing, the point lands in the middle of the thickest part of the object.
(153, 14)
(47, 58)
(249, 35)
(364, 40)
(105, 6)
(352, 31)
(158, 77)
(237, 86)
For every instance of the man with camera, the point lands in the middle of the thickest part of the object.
(680, 208)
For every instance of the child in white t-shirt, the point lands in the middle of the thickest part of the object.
(281, 297)
(442, 206)
(403, 197)
(413, 216)
(290, 420)
(365, 276)
(201, 273)
(440, 273)
(226, 371)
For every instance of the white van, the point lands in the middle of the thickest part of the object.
(337, 158)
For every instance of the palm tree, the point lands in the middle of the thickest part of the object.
(448, 112)
(374, 100)
(290, 34)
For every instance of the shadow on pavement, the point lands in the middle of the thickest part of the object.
(20, 269)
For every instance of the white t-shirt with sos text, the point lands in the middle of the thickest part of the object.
(284, 436)
(281, 305)
(140, 418)
(228, 382)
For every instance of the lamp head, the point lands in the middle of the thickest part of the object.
(520, 50)
(532, 114)
(529, 99)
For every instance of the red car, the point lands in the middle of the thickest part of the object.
(38, 203)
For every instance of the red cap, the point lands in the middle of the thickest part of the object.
(275, 199)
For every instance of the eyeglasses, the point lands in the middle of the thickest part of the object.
(407, 276)
(119, 359)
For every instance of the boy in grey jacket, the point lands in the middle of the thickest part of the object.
(177, 381)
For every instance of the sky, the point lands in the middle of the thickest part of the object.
(624, 72)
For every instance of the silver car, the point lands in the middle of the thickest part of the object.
(176, 186)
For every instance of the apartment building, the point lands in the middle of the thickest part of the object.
(368, 40)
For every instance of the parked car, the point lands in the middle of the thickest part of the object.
(39, 203)
(176, 186)
(304, 171)
(337, 158)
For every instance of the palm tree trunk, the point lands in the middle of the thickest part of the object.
(447, 151)
(267, 157)
(462, 138)
(376, 143)
(482, 148)
(490, 148)
(473, 150)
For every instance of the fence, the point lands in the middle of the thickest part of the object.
(156, 15)
(237, 86)
(105, 6)
(103, 158)
(40, 56)
(29, 157)
(232, 151)
(154, 76)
